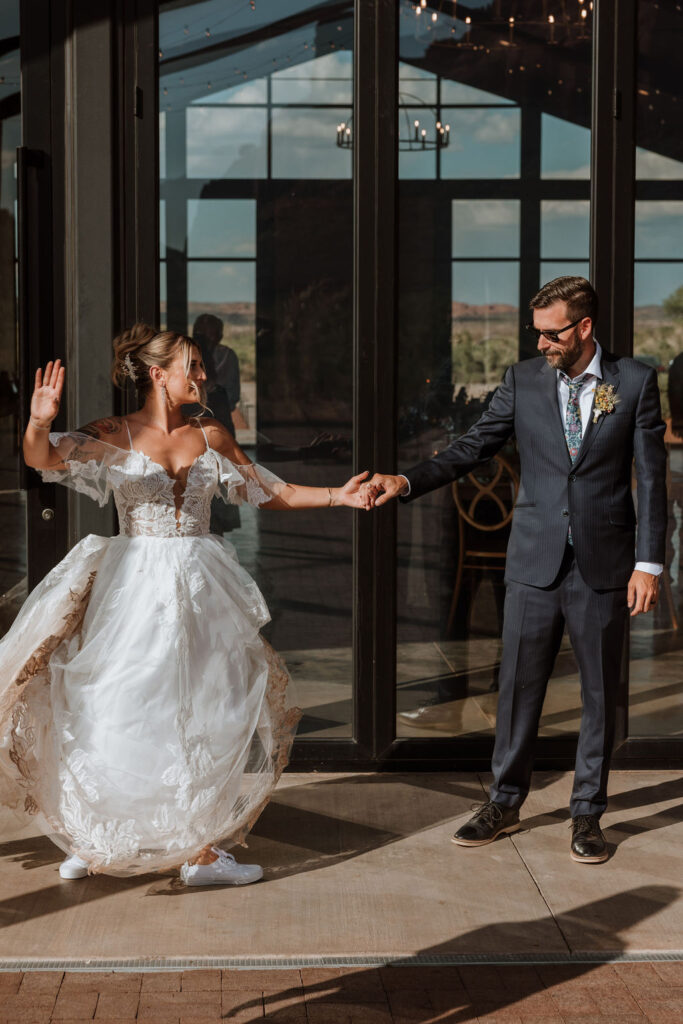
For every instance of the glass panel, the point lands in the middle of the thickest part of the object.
(461, 95)
(328, 79)
(656, 684)
(486, 144)
(221, 227)
(267, 266)
(656, 640)
(416, 84)
(565, 229)
(302, 148)
(225, 142)
(486, 228)
(12, 497)
(565, 149)
(659, 229)
(655, 167)
(517, 103)
(550, 269)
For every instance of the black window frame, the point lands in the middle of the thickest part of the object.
(612, 190)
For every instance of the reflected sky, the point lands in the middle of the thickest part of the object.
(485, 228)
(221, 282)
(565, 229)
(654, 282)
(221, 227)
(659, 230)
(565, 149)
(487, 283)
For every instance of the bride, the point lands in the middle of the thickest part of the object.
(142, 717)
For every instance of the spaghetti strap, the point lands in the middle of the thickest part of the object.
(130, 439)
(203, 432)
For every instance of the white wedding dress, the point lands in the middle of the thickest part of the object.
(142, 716)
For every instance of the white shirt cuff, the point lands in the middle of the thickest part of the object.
(404, 492)
(654, 568)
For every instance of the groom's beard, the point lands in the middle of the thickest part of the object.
(564, 359)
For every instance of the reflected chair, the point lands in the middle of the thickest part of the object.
(485, 508)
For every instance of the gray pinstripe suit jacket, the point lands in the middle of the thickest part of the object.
(594, 494)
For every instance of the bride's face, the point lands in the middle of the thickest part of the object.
(183, 389)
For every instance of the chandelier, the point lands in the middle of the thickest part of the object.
(412, 136)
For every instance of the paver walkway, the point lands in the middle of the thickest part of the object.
(623, 993)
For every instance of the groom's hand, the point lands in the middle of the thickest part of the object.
(643, 589)
(383, 487)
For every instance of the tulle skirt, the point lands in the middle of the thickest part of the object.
(142, 716)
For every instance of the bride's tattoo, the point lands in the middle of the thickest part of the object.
(108, 425)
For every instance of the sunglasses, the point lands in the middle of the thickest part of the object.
(551, 335)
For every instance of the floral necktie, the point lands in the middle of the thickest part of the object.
(572, 424)
(572, 419)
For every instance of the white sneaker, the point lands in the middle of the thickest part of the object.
(224, 871)
(73, 867)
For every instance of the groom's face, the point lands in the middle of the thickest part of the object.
(564, 351)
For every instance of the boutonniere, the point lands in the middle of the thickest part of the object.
(606, 400)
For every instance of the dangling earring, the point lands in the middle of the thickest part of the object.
(164, 392)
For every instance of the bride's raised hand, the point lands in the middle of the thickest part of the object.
(47, 393)
(352, 494)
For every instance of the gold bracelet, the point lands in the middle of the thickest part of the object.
(36, 426)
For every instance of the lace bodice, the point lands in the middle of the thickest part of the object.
(146, 496)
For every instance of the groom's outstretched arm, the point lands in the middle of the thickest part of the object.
(476, 447)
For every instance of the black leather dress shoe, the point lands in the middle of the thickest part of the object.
(588, 842)
(490, 821)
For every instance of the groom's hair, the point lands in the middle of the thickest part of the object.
(577, 292)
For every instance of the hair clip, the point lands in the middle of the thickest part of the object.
(128, 369)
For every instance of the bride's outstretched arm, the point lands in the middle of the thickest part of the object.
(47, 394)
(292, 496)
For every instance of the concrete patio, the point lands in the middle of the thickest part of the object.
(360, 870)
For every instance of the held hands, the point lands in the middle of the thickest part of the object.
(47, 394)
(643, 591)
(382, 488)
(352, 494)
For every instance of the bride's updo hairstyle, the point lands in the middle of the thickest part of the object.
(140, 347)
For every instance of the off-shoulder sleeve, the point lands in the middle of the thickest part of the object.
(251, 483)
(82, 462)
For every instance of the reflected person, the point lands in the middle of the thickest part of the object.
(222, 370)
(580, 416)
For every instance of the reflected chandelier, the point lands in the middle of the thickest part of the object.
(412, 138)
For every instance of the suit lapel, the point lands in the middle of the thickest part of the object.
(610, 375)
(548, 381)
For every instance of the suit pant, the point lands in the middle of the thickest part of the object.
(534, 622)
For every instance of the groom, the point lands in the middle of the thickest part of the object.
(580, 417)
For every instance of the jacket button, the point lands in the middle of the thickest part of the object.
(565, 511)
(572, 478)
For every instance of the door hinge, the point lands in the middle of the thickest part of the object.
(138, 101)
(616, 104)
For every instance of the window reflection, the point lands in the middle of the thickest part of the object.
(224, 142)
(657, 639)
(256, 249)
(12, 497)
(565, 229)
(483, 222)
(565, 148)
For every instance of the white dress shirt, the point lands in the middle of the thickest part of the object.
(590, 375)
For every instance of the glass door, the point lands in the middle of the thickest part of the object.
(494, 148)
(256, 261)
(13, 563)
